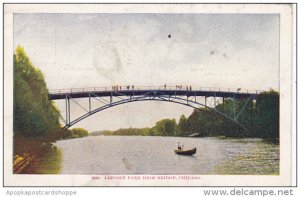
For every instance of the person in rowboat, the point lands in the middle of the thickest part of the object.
(178, 146)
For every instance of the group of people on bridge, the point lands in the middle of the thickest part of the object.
(180, 87)
(128, 87)
(117, 88)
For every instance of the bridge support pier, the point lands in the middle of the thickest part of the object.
(66, 101)
(67, 110)
(90, 105)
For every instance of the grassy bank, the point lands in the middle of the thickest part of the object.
(42, 157)
(48, 163)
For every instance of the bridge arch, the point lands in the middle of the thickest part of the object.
(183, 95)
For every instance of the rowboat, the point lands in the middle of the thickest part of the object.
(185, 152)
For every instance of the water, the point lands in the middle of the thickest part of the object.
(155, 155)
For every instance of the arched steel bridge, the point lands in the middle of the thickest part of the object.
(184, 95)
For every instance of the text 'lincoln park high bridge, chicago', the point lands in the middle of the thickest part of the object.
(194, 97)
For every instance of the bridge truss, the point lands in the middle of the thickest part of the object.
(114, 96)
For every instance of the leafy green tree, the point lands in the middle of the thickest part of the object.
(203, 121)
(268, 112)
(182, 126)
(79, 132)
(34, 114)
(170, 127)
(165, 127)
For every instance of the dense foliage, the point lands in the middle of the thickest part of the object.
(165, 127)
(34, 114)
(268, 114)
(79, 132)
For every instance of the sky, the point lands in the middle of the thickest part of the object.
(97, 50)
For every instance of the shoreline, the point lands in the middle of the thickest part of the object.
(33, 156)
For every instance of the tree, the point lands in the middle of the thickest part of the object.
(165, 127)
(182, 126)
(34, 114)
(169, 127)
(79, 132)
(268, 112)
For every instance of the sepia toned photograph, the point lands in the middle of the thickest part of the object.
(131, 96)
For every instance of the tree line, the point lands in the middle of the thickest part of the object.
(259, 118)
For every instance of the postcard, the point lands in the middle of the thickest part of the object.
(148, 94)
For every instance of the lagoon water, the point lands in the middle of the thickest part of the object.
(155, 155)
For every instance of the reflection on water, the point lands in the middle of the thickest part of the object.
(155, 155)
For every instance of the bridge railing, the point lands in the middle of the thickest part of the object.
(163, 87)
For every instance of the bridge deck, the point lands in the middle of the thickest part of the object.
(171, 91)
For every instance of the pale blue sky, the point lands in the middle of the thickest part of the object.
(205, 50)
